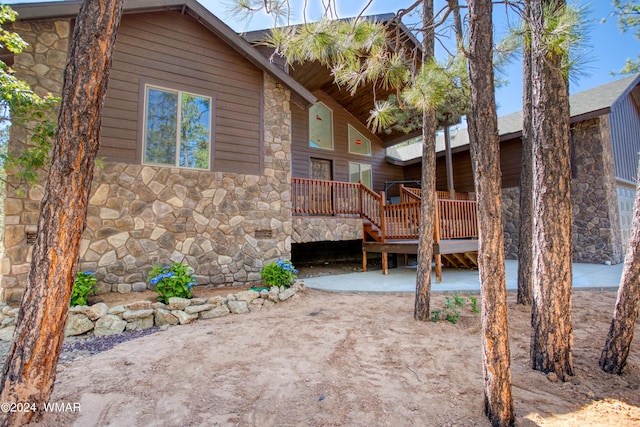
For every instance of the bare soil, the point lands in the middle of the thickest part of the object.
(342, 359)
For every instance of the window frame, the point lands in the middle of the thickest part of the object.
(360, 164)
(331, 124)
(179, 91)
(351, 129)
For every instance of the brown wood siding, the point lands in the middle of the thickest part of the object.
(340, 156)
(624, 122)
(174, 51)
(510, 160)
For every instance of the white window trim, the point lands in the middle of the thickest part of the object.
(179, 122)
(332, 130)
(364, 138)
(360, 164)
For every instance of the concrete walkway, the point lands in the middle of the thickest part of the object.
(403, 279)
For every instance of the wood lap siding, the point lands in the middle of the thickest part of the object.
(382, 171)
(172, 50)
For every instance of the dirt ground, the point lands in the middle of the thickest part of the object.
(341, 359)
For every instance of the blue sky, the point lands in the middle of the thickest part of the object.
(610, 47)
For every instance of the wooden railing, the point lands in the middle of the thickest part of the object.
(320, 197)
(455, 219)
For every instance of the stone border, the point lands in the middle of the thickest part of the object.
(139, 315)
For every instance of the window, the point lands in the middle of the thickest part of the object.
(358, 144)
(177, 128)
(361, 172)
(320, 127)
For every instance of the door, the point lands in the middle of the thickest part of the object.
(321, 200)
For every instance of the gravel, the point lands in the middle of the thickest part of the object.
(78, 347)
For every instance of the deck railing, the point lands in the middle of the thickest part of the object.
(456, 219)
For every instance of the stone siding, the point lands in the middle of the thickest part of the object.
(596, 225)
(224, 225)
(326, 229)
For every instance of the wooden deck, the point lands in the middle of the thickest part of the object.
(395, 228)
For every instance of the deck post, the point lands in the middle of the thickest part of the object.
(436, 240)
(385, 255)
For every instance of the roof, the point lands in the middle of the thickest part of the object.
(584, 105)
(69, 9)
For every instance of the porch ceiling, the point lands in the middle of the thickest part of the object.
(314, 76)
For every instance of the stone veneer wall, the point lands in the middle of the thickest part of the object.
(224, 225)
(596, 225)
(308, 229)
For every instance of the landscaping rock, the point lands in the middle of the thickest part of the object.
(247, 296)
(193, 309)
(138, 305)
(238, 307)
(219, 311)
(96, 311)
(164, 317)
(198, 301)
(77, 324)
(176, 303)
(140, 323)
(118, 309)
(183, 317)
(109, 325)
(216, 301)
(286, 294)
(137, 314)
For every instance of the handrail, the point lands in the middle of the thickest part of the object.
(454, 219)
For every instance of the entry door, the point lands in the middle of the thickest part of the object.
(321, 200)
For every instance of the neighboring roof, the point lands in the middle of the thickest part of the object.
(68, 9)
(584, 105)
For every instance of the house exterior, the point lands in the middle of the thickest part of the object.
(218, 197)
(605, 142)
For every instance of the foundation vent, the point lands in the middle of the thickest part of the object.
(263, 234)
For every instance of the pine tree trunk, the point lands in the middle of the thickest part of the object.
(525, 272)
(616, 349)
(552, 338)
(427, 207)
(30, 370)
(485, 149)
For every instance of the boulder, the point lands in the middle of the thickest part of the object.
(77, 324)
(238, 307)
(176, 303)
(109, 325)
(183, 317)
(164, 317)
(219, 311)
(96, 311)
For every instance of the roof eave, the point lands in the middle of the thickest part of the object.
(70, 9)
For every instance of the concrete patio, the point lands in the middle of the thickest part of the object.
(403, 279)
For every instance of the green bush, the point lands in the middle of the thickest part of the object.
(83, 286)
(173, 280)
(279, 273)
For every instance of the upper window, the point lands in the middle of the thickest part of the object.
(177, 128)
(320, 126)
(358, 144)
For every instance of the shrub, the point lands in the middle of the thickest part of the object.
(172, 281)
(279, 273)
(83, 286)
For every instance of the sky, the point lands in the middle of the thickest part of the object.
(609, 47)
(609, 51)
